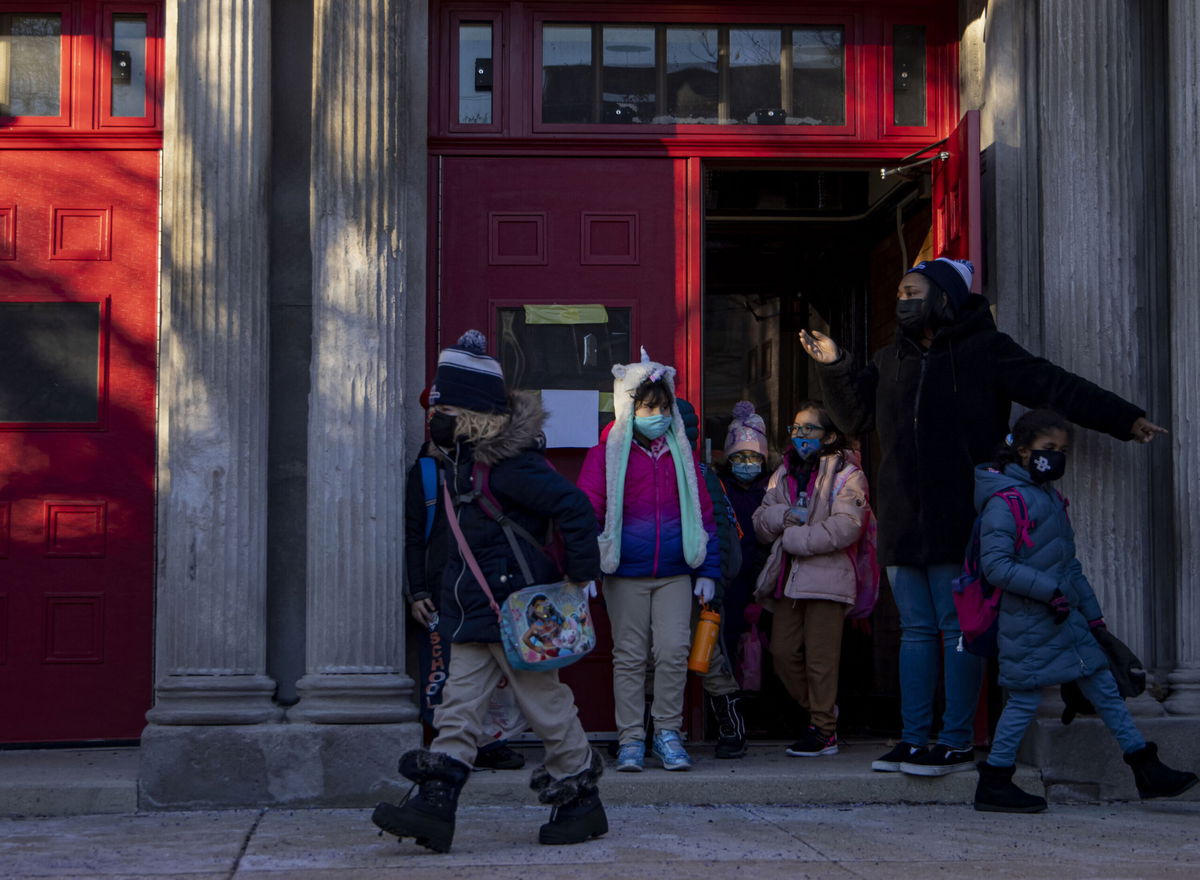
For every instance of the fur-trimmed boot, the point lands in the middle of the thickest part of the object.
(731, 729)
(427, 816)
(578, 814)
(1153, 777)
(997, 793)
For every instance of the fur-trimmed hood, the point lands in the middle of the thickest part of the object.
(523, 431)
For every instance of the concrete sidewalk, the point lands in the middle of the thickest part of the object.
(62, 782)
(647, 843)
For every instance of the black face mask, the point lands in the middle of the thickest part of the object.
(442, 428)
(1047, 465)
(910, 315)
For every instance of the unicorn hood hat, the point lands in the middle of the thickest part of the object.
(627, 379)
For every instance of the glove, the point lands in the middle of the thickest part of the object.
(705, 589)
(1060, 606)
(589, 589)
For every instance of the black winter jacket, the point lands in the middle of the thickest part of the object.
(942, 411)
(531, 493)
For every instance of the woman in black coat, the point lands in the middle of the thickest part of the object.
(940, 398)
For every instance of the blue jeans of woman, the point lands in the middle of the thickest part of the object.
(1100, 688)
(929, 626)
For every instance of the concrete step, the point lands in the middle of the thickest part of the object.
(765, 776)
(67, 782)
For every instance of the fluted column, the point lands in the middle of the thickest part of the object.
(1098, 237)
(356, 467)
(211, 610)
(1183, 35)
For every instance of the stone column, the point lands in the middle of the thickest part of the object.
(1183, 29)
(211, 626)
(1099, 232)
(356, 455)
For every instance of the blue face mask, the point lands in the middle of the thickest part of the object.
(806, 447)
(745, 471)
(652, 427)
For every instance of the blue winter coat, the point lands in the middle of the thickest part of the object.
(1034, 650)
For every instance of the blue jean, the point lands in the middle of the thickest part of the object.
(1099, 687)
(923, 595)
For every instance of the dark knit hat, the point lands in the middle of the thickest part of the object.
(952, 276)
(467, 378)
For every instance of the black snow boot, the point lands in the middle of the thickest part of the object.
(1153, 777)
(427, 816)
(578, 814)
(731, 729)
(996, 792)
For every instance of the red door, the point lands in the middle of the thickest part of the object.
(957, 202)
(520, 236)
(78, 264)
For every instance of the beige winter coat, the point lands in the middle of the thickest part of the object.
(820, 567)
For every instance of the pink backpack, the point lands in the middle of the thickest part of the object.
(976, 601)
(863, 557)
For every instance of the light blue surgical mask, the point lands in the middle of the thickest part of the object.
(652, 427)
(806, 447)
(746, 471)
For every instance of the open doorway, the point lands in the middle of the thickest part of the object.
(787, 247)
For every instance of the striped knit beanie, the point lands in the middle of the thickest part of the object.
(467, 378)
(952, 276)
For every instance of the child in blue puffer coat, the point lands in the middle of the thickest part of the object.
(1047, 613)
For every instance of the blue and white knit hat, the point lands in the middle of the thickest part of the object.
(952, 276)
(467, 378)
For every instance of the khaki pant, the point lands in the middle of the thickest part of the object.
(806, 645)
(643, 610)
(719, 680)
(547, 703)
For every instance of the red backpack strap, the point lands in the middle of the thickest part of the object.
(465, 549)
(1020, 515)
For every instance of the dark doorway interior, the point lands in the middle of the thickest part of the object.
(801, 246)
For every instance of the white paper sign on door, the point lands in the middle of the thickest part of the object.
(573, 418)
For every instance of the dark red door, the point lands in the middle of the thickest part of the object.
(957, 206)
(525, 243)
(78, 266)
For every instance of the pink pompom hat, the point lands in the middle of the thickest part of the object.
(747, 431)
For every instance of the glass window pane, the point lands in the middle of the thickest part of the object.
(30, 63)
(755, 87)
(818, 76)
(475, 73)
(129, 65)
(629, 77)
(568, 80)
(908, 74)
(692, 78)
(49, 361)
(562, 355)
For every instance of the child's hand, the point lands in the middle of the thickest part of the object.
(1060, 606)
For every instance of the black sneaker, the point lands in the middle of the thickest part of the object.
(901, 752)
(813, 743)
(499, 757)
(939, 760)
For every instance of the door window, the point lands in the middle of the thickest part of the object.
(49, 362)
(128, 75)
(30, 64)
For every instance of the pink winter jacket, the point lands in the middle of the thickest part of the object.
(810, 561)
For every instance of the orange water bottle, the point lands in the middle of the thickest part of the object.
(704, 640)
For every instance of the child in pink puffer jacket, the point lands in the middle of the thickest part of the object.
(658, 548)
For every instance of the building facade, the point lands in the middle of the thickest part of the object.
(233, 236)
